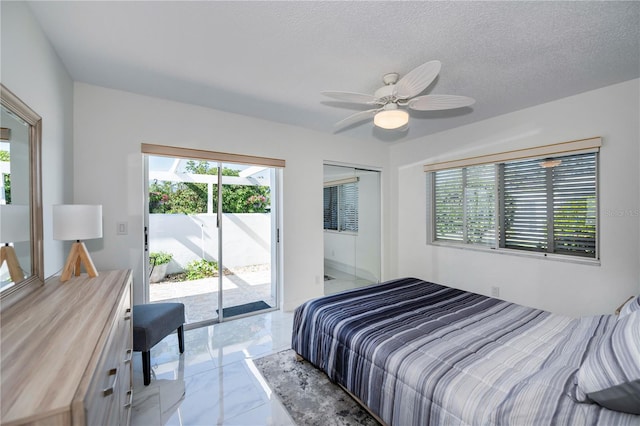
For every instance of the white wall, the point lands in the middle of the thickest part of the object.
(109, 127)
(246, 237)
(574, 289)
(31, 69)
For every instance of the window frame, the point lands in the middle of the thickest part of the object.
(499, 212)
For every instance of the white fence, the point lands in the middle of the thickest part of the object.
(246, 238)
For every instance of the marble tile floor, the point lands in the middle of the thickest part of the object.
(215, 381)
(341, 281)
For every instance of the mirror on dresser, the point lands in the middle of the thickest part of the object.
(20, 196)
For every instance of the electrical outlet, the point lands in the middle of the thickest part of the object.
(495, 291)
(121, 228)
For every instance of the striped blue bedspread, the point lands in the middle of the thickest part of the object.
(417, 353)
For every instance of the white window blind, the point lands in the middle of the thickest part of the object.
(533, 205)
(524, 212)
(551, 209)
(340, 204)
(348, 203)
(480, 204)
(575, 206)
(330, 201)
(465, 205)
(449, 205)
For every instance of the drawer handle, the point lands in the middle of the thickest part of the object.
(108, 391)
(128, 404)
(127, 317)
(127, 359)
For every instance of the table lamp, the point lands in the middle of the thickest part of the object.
(14, 227)
(77, 222)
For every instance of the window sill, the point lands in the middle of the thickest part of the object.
(332, 231)
(511, 252)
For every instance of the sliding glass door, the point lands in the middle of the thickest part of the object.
(248, 231)
(210, 237)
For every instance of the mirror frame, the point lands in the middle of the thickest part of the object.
(22, 110)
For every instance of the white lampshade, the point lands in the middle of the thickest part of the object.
(77, 222)
(14, 223)
(391, 118)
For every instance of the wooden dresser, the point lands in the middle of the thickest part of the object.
(66, 353)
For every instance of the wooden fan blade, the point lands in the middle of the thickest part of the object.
(358, 98)
(417, 80)
(438, 102)
(357, 117)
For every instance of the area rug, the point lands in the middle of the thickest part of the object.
(232, 311)
(308, 395)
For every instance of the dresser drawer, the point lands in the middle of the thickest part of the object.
(125, 416)
(126, 385)
(107, 395)
(122, 408)
(102, 395)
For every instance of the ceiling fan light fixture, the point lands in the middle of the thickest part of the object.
(391, 119)
(399, 92)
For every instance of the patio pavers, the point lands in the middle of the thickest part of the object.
(201, 296)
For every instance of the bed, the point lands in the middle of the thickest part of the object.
(418, 353)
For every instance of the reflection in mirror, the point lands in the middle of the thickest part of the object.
(352, 227)
(15, 253)
(21, 260)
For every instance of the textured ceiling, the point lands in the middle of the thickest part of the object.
(271, 59)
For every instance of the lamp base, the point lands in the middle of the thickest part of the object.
(8, 254)
(77, 256)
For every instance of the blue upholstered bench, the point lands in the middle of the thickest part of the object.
(152, 322)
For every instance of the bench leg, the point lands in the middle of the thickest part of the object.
(181, 338)
(146, 367)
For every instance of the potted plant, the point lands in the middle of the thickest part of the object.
(158, 262)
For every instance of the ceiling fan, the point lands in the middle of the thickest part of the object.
(391, 99)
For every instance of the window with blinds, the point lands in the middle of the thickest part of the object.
(524, 195)
(464, 201)
(449, 205)
(480, 204)
(575, 206)
(330, 201)
(341, 207)
(547, 206)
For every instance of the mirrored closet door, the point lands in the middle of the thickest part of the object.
(352, 227)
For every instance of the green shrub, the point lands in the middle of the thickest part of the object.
(160, 258)
(198, 269)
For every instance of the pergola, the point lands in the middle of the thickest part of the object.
(249, 176)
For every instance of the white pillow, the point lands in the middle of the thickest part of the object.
(610, 374)
(630, 306)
